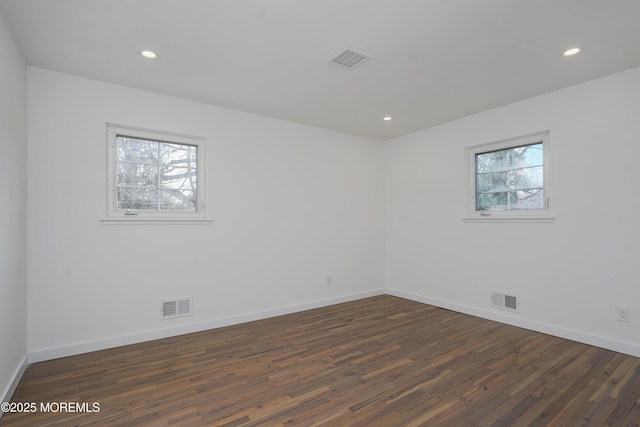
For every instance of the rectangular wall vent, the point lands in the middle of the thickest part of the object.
(176, 308)
(505, 301)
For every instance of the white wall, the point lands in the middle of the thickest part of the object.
(13, 232)
(570, 274)
(291, 205)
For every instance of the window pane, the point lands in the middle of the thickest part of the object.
(140, 174)
(137, 198)
(526, 178)
(526, 199)
(139, 150)
(172, 152)
(178, 168)
(492, 201)
(491, 182)
(183, 200)
(493, 161)
(529, 155)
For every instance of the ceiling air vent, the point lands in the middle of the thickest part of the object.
(348, 58)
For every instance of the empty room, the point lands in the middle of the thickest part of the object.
(319, 212)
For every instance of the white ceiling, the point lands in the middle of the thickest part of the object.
(432, 60)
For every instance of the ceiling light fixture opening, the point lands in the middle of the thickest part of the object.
(149, 54)
(572, 51)
(387, 118)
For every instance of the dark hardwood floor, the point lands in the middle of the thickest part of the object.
(381, 361)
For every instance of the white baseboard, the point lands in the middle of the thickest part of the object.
(15, 379)
(570, 334)
(102, 344)
(509, 319)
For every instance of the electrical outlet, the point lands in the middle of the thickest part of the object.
(622, 314)
(329, 280)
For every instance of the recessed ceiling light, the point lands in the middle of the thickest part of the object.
(149, 54)
(572, 51)
(387, 118)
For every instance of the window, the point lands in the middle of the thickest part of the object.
(154, 176)
(509, 179)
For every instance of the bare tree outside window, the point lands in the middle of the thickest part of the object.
(510, 179)
(155, 175)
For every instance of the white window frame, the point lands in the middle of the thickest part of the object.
(526, 215)
(118, 216)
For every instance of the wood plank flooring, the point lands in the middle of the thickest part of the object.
(381, 361)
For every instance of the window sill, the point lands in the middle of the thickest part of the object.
(512, 219)
(135, 220)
